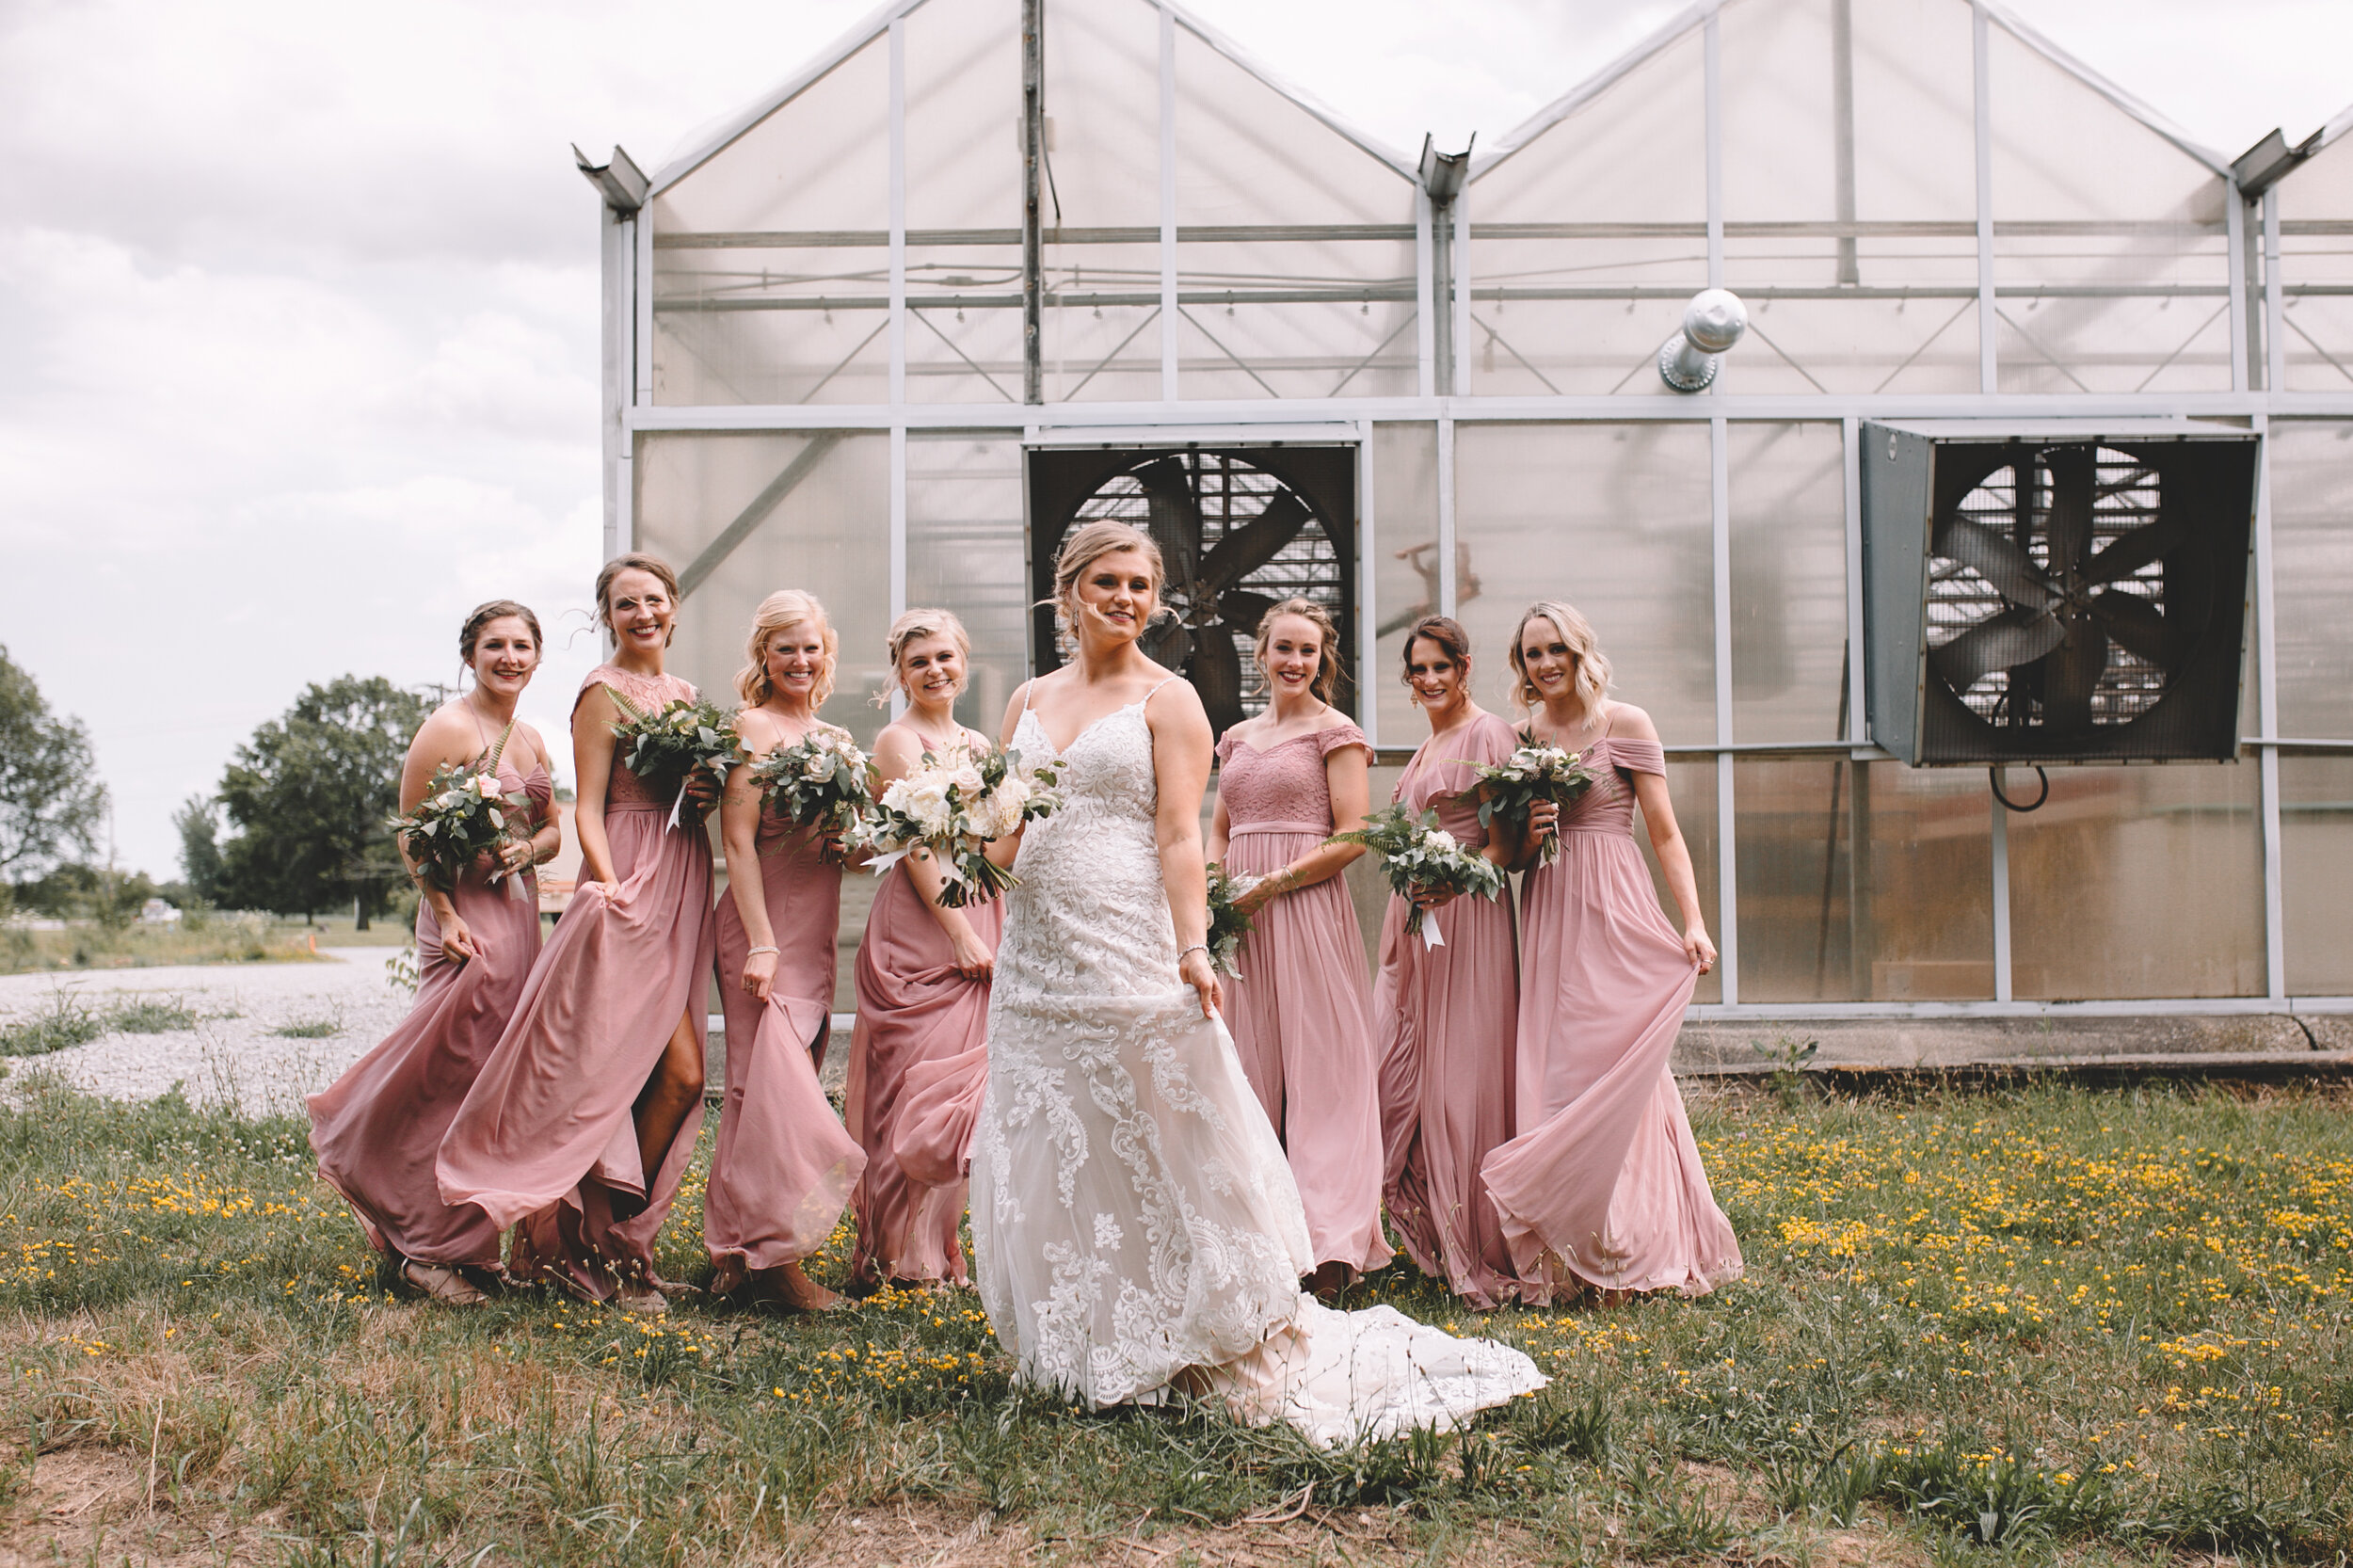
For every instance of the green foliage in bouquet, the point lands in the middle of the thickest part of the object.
(1417, 853)
(1228, 925)
(463, 816)
(667, 747)
(1533, 772)
(821, 781)
(951, 806)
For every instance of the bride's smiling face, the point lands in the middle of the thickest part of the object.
(1114, 596)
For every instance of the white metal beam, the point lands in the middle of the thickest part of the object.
(1727, 846)
(1712, 136)
(1426, 320)
(1981, 97)
(2267, 699)
(2000, 830)
(1169, 319)
(1858, 711)
(1445, 517)
(1367, 602)
(897, 210)
(2234, 227)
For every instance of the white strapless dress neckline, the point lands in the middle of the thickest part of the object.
(1133, 1215)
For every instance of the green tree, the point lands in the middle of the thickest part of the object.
(309, 795)
(199, 821)
(51, 800)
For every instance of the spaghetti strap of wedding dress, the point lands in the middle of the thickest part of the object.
(1134, 1220)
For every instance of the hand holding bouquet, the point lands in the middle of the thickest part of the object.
(819, 781)
(463, 816)
(669, 747)
(1422, 857)
(1228, 924)
(1535, 771)
(951, 806)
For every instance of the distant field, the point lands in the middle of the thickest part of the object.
(204, 938)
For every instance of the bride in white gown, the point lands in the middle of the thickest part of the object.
(1136, 1226)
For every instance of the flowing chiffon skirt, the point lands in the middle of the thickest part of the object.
(922, 1027)
(784, 1165)
(546, 1138)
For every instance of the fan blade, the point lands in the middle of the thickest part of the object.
(1243, 610)
(1217, 676)
(2069, 676)
(2136, 625)
(1994, 557)
(1173, 517)
(2016, 637)
(2129, 553)
(1166, 642)
(2073, 473)
(1253, 545)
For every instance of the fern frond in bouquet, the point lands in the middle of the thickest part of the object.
(1416, 853)
(1535, 771)
(463, 816)
(821, 781)
(1228, 925)
(951, 806)
(669, 745)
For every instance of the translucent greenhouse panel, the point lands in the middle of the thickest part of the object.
(1307, 346)
(741, 516)
(1404, 570)
(1692, 790)
(1103, 117)
(2312, 554)
(2316, 874)
(1586, 241)
(1863, 882)
(965, 553)
(1853, 237)
(963, 322)
(1789, 583)
(2316, 269)
(964, 119)
(2139, 882)
(1614, 520)
(1099, 334)
(2110, 251)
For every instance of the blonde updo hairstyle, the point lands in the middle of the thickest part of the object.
(1327, 679)
(913, 627)
(1593, 668)
(778, 612)
(655, 567)
(1090, 544)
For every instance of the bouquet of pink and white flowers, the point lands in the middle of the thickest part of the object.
(821, 781)
(1230, 927)
(1533, 772)
(667, 747)
(463, 816)
(1417, 853)
(951, 806)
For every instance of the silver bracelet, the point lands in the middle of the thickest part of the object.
(1198, 947)
(754, 953)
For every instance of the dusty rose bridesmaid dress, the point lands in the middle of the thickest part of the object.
(1605, 1185)
(1300, 1010)
(546, 1136)
(1448, 1019)
(918, 1060)
(377, 1128)
(783, 1167)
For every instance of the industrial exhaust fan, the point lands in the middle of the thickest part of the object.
(2059, 594)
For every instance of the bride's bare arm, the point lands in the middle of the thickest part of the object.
(1181, 748)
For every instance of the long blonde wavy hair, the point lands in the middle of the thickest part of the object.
(1592, 667)
(786, 607)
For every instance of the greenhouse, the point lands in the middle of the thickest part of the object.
(1989, 595)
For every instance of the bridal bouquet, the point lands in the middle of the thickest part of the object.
(952, 806)
(463, 816)
(667, 747)
(819, 781)
(1534, 772)
(1419, 855)
(1228, 925)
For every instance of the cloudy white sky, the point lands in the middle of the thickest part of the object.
(298, 301)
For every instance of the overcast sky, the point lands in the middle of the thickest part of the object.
(299, 302)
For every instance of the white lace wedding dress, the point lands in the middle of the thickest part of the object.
(1132, 1212)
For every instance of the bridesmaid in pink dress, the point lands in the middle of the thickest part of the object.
(784, 1165)
(1603, 1188)
(1300, 1010)
(584, 1118)
(377, 1128)
(1449, 1015)
(918, 1057)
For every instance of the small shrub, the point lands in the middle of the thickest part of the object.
(309, 1029)
(149, 1017)
(66, 1021)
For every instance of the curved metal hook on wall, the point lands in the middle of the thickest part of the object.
(1993, 776)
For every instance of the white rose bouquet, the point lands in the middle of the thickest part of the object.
(1230, 927)
(821, 781)
(1418, 853)
(1533, 772)
(463, 816)
(952, 806)
(667, 747)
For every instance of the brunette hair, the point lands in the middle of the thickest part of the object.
(1443, 630)
(471, 633)
(1327, 679)
(784, 608)
(1088, 545)
(910, 626)
(1593, 668)
(636, 560)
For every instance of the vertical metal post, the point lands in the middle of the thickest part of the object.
(1442, 255)
(1425, 320)
(1368, 603)
(2268, 696)
(1713, 90)
(2000, 827)
(1459, 290)
(1842, 133)
(2275, 299)
(898, 210)
(1445, 517)
(1727, 847)
(1982, 94)
(898, 539)
(1858, 927)
(1033, 211)
(641, 285)
(1168, 203)
(2242, 327)
(617, 256)
(1858, 720)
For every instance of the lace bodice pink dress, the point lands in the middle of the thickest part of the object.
(1449, 1019)
(784, 1166)
(545, 1137)
(1301, 1008)
(378, 1129)
(1604, 1185)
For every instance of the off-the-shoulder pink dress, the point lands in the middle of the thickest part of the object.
(783, 1167)
(545, 1137)
(1605, 1183)
(377, 1128)
(1300, 1010)
(1448, 1020)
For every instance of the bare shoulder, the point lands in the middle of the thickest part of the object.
(1332, 718)
(1166, 691)
(1623, 721)
(446, 735)
(758, 730)
(539, 744)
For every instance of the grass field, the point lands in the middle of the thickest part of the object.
(203, 937)
(2094, 1327)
